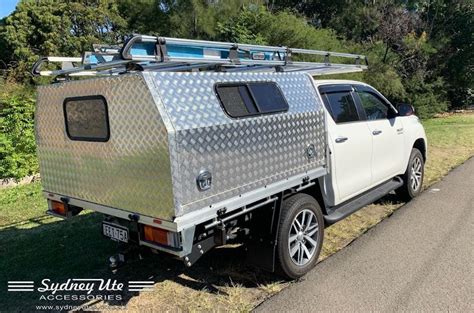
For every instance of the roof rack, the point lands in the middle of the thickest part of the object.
(142, 52)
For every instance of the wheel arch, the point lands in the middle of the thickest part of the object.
(315, 191)
(420, 144)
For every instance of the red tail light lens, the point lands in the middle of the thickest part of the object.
(59, 208)
(157, 235)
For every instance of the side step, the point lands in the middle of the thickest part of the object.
(343, 210)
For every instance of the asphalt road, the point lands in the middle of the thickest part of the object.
(419, 259)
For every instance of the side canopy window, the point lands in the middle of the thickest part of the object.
(87, 118)
(250, 99)
(374, 108)
(341, 106)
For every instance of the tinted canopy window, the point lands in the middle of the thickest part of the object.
(236, 100)
(248, 99)
(341, 106)
(268, 97)
(86, 118)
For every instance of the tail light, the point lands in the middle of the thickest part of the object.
(59, 208)
(160, 236)
(63, 209)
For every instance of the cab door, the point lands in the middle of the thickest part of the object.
(386, 130)
(350, 143)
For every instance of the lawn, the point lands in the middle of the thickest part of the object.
(34, 246)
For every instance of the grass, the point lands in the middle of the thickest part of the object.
(34, 246)
(451, 142)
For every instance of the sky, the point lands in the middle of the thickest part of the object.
(7, 7)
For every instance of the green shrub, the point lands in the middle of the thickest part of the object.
(17, 139)
(256, 25)
(426, 97)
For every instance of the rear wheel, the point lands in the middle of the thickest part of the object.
(300, 235)
(413, 177)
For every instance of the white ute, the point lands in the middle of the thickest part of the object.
(185, 145)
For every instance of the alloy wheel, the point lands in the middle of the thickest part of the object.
(303, 237)
(416, 174)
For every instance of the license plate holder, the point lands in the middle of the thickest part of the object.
(115, 232)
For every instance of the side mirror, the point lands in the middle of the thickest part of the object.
(405, 109)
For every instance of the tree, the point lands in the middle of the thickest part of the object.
(459, 62)
(452, 25)
(319, 12)
(199, 18)
(147, 16)
(255, 24)
(53, 27)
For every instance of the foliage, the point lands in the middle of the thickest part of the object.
(426, 97)
(199, 18)
(245, 28)
(259, 26)
(319, 12)
(145, 16)
(52, 27)
(17, 139)
(431, 40)
(452, 29)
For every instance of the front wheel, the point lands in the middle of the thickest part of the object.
(300, 235)
(413, 177)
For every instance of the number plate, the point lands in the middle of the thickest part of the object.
(115, 232)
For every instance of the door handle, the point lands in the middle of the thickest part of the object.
(376, 132)
(341, 139)
(399, 129)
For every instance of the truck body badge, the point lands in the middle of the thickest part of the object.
(204, 180)
(310, 151)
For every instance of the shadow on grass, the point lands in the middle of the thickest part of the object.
(75, 248)
(391, 198)
(36, 221)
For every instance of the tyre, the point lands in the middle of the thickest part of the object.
(300, 235)
(413, 177)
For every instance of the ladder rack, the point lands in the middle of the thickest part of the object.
(142, 52)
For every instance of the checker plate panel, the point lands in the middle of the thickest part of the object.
(168, 127)
(131, 171)
(241, 154)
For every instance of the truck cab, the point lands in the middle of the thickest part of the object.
(369, 142)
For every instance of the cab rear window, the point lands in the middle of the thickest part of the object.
(341, 106)
(87, 118)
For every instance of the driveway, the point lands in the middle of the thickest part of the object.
(419, 259)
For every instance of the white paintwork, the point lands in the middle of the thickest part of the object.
(366, 159)
(412, 131)
(388, 148)
(351, 158)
